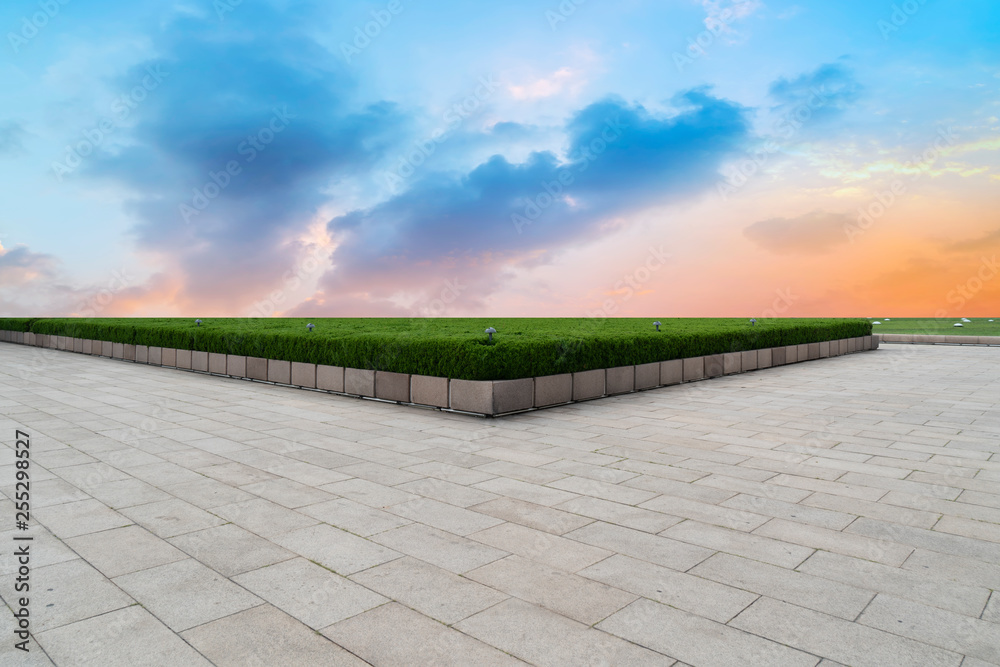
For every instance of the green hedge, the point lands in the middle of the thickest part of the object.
(16, 323)
(458, 348)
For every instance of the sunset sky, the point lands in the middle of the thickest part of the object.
(665, 158)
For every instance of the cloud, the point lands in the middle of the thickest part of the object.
(501, 214)
(20, 266)
(554, 84)
(720, 14)
(12, 136)
(812, 233)
(988, 240)
(270, 103)
(826, 92)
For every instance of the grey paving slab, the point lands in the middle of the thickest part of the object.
(829, 518)
(541, 637)
(129, 636)
(265, 635)
(311, 593)
(431, 590)
(845, 642)
(696, 640)
(395, 635)
(186, 593)
(573, 596)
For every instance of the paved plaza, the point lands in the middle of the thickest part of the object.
(841, 511)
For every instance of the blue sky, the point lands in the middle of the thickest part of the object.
(270, 157)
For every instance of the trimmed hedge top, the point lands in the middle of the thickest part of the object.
(456, 347)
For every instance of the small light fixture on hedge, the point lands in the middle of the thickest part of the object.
(753, 321)
(310, 326)
(490, 333)
(657, 325)
(197, 323)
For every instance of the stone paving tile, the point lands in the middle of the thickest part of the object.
(578, 598)
(433, 591)
(395, 636)
(541, 547)
(79, 518)
(441, 548)
(539, 517)
(124, 550)
(336, 549)
(129, 636)
(309, 592)
(664, 551)
(696, 640)
(843, 641)
(186, 593)
(629, 492)
(831, 597)
(67, 592)
(749, 545)
(444, 516)
(929, 587)
(703, 597)
(168, 518)
(945, 629)
(266, 636)
(230, 550)
(542, 637)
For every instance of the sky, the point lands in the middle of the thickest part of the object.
(573, 158)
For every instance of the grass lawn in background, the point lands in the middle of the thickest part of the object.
(938, 326)
(456, 347)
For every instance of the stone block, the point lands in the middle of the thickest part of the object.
(588, 384)
(304, 375)
(989, 340)
(620, 380)
(844, 346)
(392, 386)
(778, 356)
(471, 396)
(791, 354)
(117, 351)
(553, 389)
(87, 346)
(930, 339)
(803, 353)
(78, 345)
(199, 361)
(236, 365)
(142, 354)
(694, 368)
(824, 349)
(106, 348)
(29, 338)
(217, 363)
(852, 345)
(813, 351)
(732, 363)
(256, 368)
(647, 376)
(279, 371)
(764, 358)
(959, 340)
(671, 372)
(184, 359)
(359, 382)
(424, 390)
(876, 341)
(129, 352)
(749, 360)
(331, 378)
(513, 395)
(155, 356)
(715, 365)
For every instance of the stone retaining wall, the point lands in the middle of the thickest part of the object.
(488, 398)
(939, 340)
